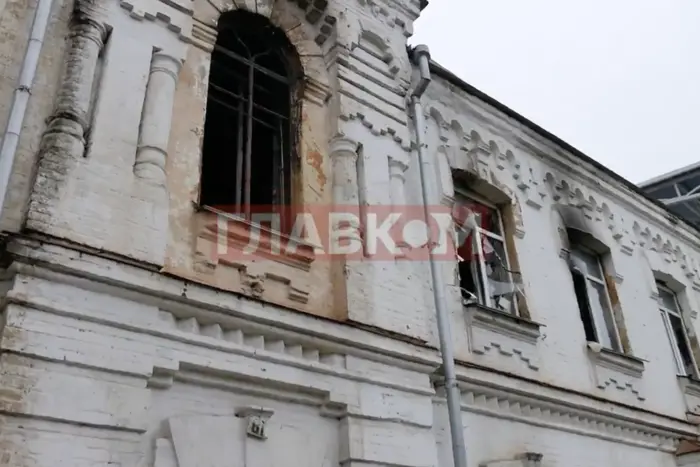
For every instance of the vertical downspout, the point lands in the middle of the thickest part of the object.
(421, 57)
(20, 100)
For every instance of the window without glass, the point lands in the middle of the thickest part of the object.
(484, 273)
(675, 329)
(251, 118)
(593, 298)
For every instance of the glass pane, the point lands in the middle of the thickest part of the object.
(501, 288)
(668, 299)
(681, 342)
(588, 262)
(672, 339)
(470, 214)
(607, 336)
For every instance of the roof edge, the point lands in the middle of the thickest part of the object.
(453, 79)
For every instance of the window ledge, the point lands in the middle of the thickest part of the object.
(271, 244)
(691, 392)
(690, 385)
(616, 361)
(503, 323)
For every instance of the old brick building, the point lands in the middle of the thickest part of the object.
(131, 126)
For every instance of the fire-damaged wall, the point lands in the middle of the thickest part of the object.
(139, 327)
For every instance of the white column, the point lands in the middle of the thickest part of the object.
(157, 118)
(346, 195)
(397, 181)
(68, 124)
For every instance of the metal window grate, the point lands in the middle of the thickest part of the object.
(249, 132)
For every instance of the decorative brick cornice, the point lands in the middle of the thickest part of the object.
(563, 415)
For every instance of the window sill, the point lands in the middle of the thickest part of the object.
(503, 340)
(273, 267)
(503, 323)
(616, 361)
(271, 244)
(691, 392)
(617, 374)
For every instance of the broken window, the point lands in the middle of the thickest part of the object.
(675, 329)
(484, 273)
(251, 118)
(593, 298)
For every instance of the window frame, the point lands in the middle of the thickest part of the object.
(615, 340)
(480, 271)
(284, 160)
(678, 312)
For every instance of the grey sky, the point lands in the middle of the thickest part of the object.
(617, 79)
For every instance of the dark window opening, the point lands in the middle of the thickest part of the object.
(584, 306)
(683, 345)
(250, 127)
(671, 312)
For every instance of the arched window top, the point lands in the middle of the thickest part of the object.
(581, 230)
(252, 118)
(253, 36)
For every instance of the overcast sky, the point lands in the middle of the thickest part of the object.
(617, 79)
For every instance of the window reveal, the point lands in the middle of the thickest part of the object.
(593, 298)
(675, 329)
(484, 272)
(251, 119)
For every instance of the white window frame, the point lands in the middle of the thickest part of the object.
(480, 272)
(675, 347)
(615, 340)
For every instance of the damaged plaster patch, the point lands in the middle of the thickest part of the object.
(315, 160)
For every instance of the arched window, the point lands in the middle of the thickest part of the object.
(251, 125)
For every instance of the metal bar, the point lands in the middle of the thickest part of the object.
(680, 199)
(282, 168)
(252, 63)
(275, 171)
(226, 69)
(239, 97)
(283, 177)
(239, 157)
(677, 190)
(249, 141)
(233, 109)
(452, 392)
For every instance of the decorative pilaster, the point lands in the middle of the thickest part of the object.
(156, 118)
(67, 126)
(346, 196)
(397, 178)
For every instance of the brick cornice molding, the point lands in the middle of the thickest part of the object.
(564, 414)
(200, 309)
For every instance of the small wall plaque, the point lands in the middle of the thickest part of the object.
(256, 419)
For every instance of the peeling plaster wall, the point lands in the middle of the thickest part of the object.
(15, 25)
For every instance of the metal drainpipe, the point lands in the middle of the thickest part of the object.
(421, 56)
(20, 100)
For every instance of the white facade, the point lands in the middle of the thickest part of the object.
(124, 344)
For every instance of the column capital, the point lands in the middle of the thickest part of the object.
(166, 63)
(397, 167)
(341, 144)
(89, 29)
